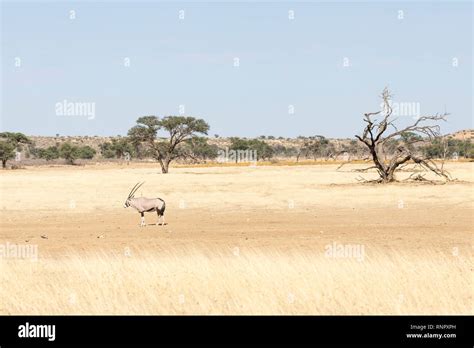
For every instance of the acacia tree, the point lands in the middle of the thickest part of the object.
(165, 150)
(50, 153)
(316, 146)
(72, 152)
(11, 141)
(7, 152)
(200, 150)
(377, 138)
(263, 151)
(118, 148)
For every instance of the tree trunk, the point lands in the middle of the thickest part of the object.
(165, 163)
(4, 164)
(384, 173)
(390, 176)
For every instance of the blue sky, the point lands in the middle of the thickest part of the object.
(47, 58)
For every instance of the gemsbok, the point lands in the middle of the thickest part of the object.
(146, 205)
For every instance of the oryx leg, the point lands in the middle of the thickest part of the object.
(162, 219)
(142, 221)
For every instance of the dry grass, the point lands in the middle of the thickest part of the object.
(417, 241)
(249, 282)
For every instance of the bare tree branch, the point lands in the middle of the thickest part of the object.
(376, 138)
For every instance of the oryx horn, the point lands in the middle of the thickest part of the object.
(134, 189)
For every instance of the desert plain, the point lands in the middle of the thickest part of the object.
(265, 239)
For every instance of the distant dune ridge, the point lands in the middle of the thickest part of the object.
(466, 134)
(95, 141)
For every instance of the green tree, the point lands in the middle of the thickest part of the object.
(201, 150)
(86, 152)
(118, 148)
(179, 128)
(107, 150)
(284, 151)
(263, 150)
(69, 152)
(238, 144)
(315, 146)
(441, 147)
(7, 152)
(15, 140)
(122, 146)
(49, 153)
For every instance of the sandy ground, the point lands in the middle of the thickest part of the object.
(237, 240)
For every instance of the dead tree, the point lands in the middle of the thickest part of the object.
(380, 132)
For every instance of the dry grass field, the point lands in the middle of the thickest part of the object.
(238, 240)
